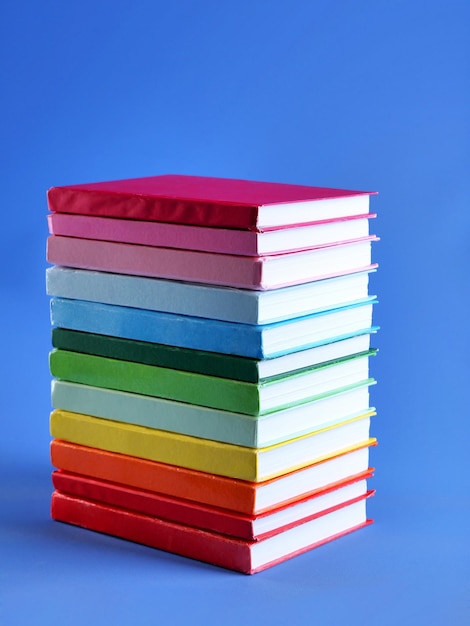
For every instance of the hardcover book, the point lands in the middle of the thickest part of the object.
(210, 391)
(245, 497)
(222, 240)
(210, 363)
(206, 423)
(263, 341)
(233, 553)
(223, 303)
(208, 201)
(253, 464)
(252, 527)
(260, 273)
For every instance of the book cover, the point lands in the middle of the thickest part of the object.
(222, 240)
(216, 302)
(246, 340)
(210, 456)
(214, 424)
(201, 516)
(207, 201)
(210, 363)
(211, 391)
(232, 553)
(245, 497)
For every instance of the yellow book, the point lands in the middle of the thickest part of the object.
(252, 464)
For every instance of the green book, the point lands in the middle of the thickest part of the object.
(210, 363)
(210, 391)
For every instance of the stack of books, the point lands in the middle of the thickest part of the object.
(211, 346)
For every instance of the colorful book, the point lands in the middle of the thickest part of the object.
(228, 304)
(232, 553)
(221, 240)
(235, 495)
(208, 201)
(251, 527)
(263, 341)
(210, 391)
(268, 272)
(206, 423)
(253, 464)
(210, 363)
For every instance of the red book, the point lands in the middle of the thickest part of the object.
(197, 515)
(233, 553)
(205, 201)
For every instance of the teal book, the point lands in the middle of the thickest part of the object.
(210, 391)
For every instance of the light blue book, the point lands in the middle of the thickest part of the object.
(257, 341)
(210, 301)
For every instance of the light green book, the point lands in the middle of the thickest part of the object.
(214, 424)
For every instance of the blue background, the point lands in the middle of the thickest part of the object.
(367, 95)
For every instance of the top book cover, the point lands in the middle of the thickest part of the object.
(205, 201)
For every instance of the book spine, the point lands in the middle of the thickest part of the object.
(150, 531)
(173, 480)
(198, 361)
(147, 208)
(154, 294)
(155, 327)
(159, 234)
(157, 413)
(155, 445)
(121, 258)
(171, 509)
(161, 382)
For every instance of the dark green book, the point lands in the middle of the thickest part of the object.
(209, 363)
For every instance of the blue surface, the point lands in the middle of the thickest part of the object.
(367, 95)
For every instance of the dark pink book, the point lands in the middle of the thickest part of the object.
(205, 201)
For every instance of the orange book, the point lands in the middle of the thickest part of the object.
(236, 495)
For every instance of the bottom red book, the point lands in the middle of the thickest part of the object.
(246, 556)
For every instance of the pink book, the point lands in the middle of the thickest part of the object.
(204, 201)
(222, 240)
(260, 273)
